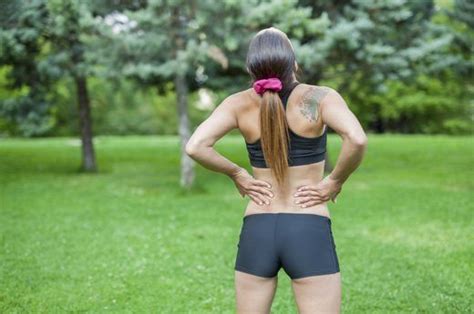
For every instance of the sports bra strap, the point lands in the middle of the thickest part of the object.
(285, 94)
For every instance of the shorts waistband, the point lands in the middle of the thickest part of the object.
(308, 215)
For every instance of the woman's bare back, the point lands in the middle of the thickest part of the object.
(303, 116)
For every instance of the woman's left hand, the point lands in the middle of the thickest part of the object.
(325, 190)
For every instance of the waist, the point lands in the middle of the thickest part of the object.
(280, 207)
(310, 174)
(284, 199)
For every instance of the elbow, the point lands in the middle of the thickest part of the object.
(196, 147)
(360, 140)
(191, 149)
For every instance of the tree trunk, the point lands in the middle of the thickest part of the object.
(187, 163)
(85, 123)
(378, 123)
(181, 87)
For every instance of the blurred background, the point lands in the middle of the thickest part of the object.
(100, 209)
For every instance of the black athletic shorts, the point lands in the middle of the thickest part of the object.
(301, 243)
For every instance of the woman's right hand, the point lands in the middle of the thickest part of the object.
(259, 191)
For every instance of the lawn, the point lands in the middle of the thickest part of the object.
(128, 239)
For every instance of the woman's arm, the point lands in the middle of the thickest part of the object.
(200, 148)
(336, 114)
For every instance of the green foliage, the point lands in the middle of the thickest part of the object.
(461, 23)
(121, 107)
(392, 59)
(24, 110)
(32, 114)
(41, 42)
(69, 24)
(429, 105)
(132, 110)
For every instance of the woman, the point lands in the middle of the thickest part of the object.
(287, 222)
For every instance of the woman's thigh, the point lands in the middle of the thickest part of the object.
(318, 294)
(254, 294)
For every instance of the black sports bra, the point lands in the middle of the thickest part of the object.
(302, 150)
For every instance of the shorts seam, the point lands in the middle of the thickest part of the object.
(332, 244)
(275, 247)
(247, 270)
(326, 271)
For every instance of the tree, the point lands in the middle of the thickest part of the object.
(42, 41)
(162, 42)
(462, 24)
(21, 50)
(184, 42)
(69, 22)
(363, 45)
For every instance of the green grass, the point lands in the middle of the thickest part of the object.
(128, 239)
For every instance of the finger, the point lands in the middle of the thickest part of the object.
(301, 200)
(306, 201)
(324, 199)
(322, 194)
(262, 183)
(260, 190)
(301, 188)
(308, 188)
(258, 198)
(307, 193)
(312, 203)
(255, 198)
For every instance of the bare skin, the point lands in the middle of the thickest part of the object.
(310, 109)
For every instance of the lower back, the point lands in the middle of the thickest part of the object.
(283, 199)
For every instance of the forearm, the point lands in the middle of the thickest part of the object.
(212, 160)
(350, 157)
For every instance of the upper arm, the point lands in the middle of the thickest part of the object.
(222, 120)
(336, 114)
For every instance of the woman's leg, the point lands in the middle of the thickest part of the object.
(318, 294)
(308, 255)
(254, 294)
(257, 264)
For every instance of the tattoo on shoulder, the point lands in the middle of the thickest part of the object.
(310, 101)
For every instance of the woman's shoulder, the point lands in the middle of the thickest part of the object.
(237, 103)
(320, 93)
(321, 89)
(245, 99)
(248, 97)
(240, 96)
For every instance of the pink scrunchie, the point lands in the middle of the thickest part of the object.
(272, 83)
